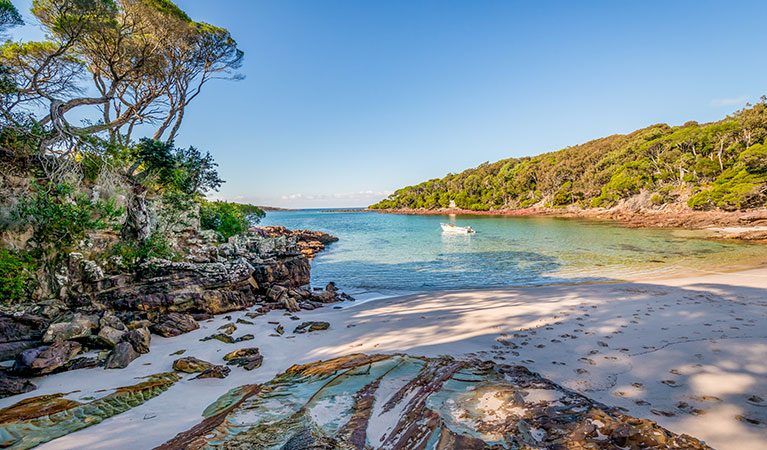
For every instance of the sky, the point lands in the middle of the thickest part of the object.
(345, 101)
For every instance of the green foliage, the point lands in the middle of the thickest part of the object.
(60, 217)
(9, 15)
(744, 185)
(229, 219)
(16, 276)
(134, 253)
(755, 158)
(692, 157)
(188, 171)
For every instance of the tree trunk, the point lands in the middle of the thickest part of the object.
(137, 226)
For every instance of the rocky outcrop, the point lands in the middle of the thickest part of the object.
(247, 358)
(117, 311)
(174, 324)
(404, 402)
(215, 279)
(37, 420)
(139, 339)
(122, 355)
(309, 242)
(44, 360)
(214, 372)
(306, 327)
(19, 333)
(13, 385)
(190, 364)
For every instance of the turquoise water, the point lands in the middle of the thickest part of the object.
(383, 254)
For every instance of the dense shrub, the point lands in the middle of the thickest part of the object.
(228, 219)
(744, 185)
(16, 276)
(132, 253)
(60, 217)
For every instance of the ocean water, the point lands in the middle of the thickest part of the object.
(389, 254)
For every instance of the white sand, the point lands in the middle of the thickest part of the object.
(641, 346)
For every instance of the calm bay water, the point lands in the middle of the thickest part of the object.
(385, 254)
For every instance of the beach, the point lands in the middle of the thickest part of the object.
(687, 352)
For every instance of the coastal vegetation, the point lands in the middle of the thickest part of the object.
(719, 165)
(77, 176)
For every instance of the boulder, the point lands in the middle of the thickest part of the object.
(174, 324)
(290, 304)
(19, 333)
(91, 272)
(112, 321)
(10, 385)
(139, 339)
(44, 360)
(276, 292)
(109, 337)
(327, 297)
(311, 326)
(190, 364)
(214, 372)
(24, 359)
(247, 358)
(122, 355)
(78, 327)
(228, 328)
(81, 362)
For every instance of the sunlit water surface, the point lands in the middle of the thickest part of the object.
(388, 254)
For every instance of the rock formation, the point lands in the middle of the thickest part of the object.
(37, 420)
(404, 402)
(110, 309)
(309, 242)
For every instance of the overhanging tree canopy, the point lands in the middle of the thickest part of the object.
(146, 60)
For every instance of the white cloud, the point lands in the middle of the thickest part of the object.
(353, 199)
(734, 101)
(360, 195)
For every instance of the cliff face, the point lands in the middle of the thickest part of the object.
(213, 279)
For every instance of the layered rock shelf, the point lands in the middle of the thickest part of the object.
(36, 420)
(404, 402)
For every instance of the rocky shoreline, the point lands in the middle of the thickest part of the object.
(381, 398)
(116, 314)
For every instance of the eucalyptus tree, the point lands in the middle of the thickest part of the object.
(145, 59)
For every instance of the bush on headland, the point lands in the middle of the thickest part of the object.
(715, 165)
(228, 219)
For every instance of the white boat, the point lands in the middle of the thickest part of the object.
(450, 228)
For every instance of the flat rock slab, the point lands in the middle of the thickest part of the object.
(247, 358)
(311, 326)
(190, 364)
(404, 402)
(36, 420)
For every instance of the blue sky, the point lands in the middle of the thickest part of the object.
(345, 101)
